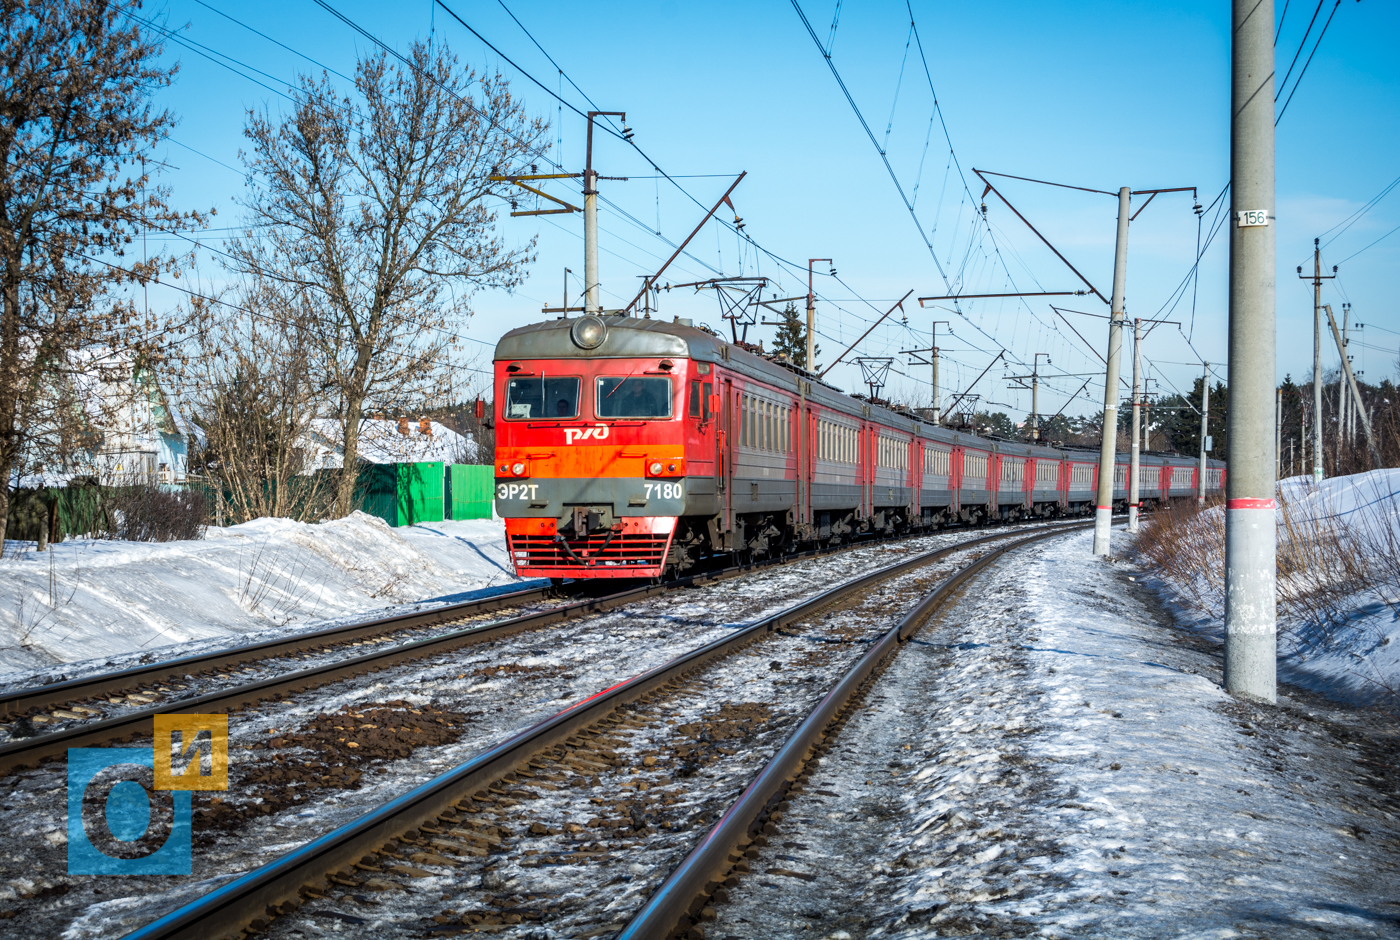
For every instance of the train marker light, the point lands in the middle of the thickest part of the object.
(518, 469)
(656, 467)
(588, 332)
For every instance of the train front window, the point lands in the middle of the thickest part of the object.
(538, 398)
(634, 397)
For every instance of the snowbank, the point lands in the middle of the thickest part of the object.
(89, 599)
(1339, 583)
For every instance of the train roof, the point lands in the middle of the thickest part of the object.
(641, 337)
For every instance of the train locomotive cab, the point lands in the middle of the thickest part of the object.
(605, 440)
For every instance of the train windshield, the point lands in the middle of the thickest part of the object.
(537, 398)
(634, 397)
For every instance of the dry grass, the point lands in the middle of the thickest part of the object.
(1324, 561)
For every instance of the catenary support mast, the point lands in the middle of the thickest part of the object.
(1251, 625)
(1136, 451)
(1205, 432)
(1103, 506)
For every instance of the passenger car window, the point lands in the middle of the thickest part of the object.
(539, 398)
(633, 397)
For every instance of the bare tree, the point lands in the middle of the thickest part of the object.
(76, 126)
(253, 397)
(377, 213)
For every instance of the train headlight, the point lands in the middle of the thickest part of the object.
(518, 469)
(589, 332)
(655, 468)
(505, 469)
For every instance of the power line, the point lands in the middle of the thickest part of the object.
(871, 134)
(1335, 7)
(1355, 217)
(1372, 245)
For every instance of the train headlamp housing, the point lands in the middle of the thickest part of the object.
(664, 467)
(588, 332)
(518, 469)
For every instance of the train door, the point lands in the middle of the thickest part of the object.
(725, 424)
(916, 481)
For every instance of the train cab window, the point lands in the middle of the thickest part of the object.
(633, 397)
(707, 391)
(538, 398)
(695, 399)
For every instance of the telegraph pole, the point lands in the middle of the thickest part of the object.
(1251, 615)
(1103, 506)
(1317, 278)
(1205, 432)
(812, 315)
(1135, 451)
(590, 220)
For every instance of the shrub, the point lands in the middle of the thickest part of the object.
(152, 514)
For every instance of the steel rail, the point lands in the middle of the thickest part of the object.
(675, 907)
(21, 701)
(275, 887)
(18, 702)
(28, 752)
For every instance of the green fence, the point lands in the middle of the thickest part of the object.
(80, 510)
(420, 492)
(471, 491)
(400, 494)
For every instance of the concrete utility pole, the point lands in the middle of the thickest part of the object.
(1317, 278)
(1350, 381)
(1344, 429)
(812, 315)
(591, 302)
(1034, 378)
(1103, 506)
(1205, 432)
(933, 344)
(1136, 451)
(1251, 615)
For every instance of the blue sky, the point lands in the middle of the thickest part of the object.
(1098, 95)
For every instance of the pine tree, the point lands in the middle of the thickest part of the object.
(791, 340)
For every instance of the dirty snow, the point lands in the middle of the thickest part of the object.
(1052, 758)
(92, 599)
(563, 664)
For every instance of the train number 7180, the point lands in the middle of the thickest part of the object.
(665, 490)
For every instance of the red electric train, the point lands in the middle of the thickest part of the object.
(635, 448)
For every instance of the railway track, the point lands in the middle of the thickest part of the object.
(611, 788)
(99, 709)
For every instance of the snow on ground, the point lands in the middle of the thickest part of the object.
(92, 599)
(557, 667)
(1352, 651)
(1053, 758)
